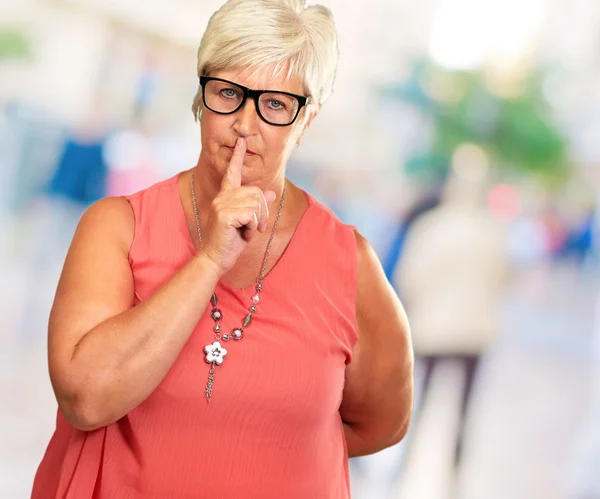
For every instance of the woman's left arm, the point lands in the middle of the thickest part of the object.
(378, 395)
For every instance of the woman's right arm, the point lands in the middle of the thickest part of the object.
(105, 354)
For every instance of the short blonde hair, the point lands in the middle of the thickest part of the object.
(284, 33)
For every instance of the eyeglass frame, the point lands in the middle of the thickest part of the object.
(255, 95)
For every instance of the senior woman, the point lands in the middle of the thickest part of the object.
(221, 333)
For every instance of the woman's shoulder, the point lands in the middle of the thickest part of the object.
(155, 188)
(349, 234)
(330, 233)
(114, 215)
(110, 219)
(326, 215)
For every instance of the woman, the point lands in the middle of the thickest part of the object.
(180, 373)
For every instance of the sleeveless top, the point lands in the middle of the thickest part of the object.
(272, 429)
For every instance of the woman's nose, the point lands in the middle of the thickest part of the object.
(246, 119)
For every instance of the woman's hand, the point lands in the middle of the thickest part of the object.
(235, 214)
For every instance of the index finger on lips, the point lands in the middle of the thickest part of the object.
(233, 176)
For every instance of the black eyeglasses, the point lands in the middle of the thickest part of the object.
(273, 106)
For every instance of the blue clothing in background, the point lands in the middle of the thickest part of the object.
(81, 174)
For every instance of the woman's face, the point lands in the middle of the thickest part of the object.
(271, 145)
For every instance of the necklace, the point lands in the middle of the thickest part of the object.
(215, 352)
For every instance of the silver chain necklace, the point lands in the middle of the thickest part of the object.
(215, 352)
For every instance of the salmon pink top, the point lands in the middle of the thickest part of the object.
(272, 429)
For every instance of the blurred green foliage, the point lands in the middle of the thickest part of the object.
(516, 131)
(13, 44)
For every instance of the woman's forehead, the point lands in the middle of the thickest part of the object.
(262, 78)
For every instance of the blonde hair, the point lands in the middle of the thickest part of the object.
(283, 33)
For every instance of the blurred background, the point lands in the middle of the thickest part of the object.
(462, 139)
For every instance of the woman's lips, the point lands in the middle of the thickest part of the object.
(248, 151)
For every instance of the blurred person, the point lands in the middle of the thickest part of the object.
(78, 180)
(451, 277)
(394, 253)
(266, 391)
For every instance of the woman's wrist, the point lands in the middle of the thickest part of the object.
(208, 265)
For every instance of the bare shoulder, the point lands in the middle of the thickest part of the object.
(367, 258)
(111, 217)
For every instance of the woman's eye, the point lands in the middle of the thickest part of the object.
(275, 104)
(228, 92)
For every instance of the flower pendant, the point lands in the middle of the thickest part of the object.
(214, 356)
(214, 353)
